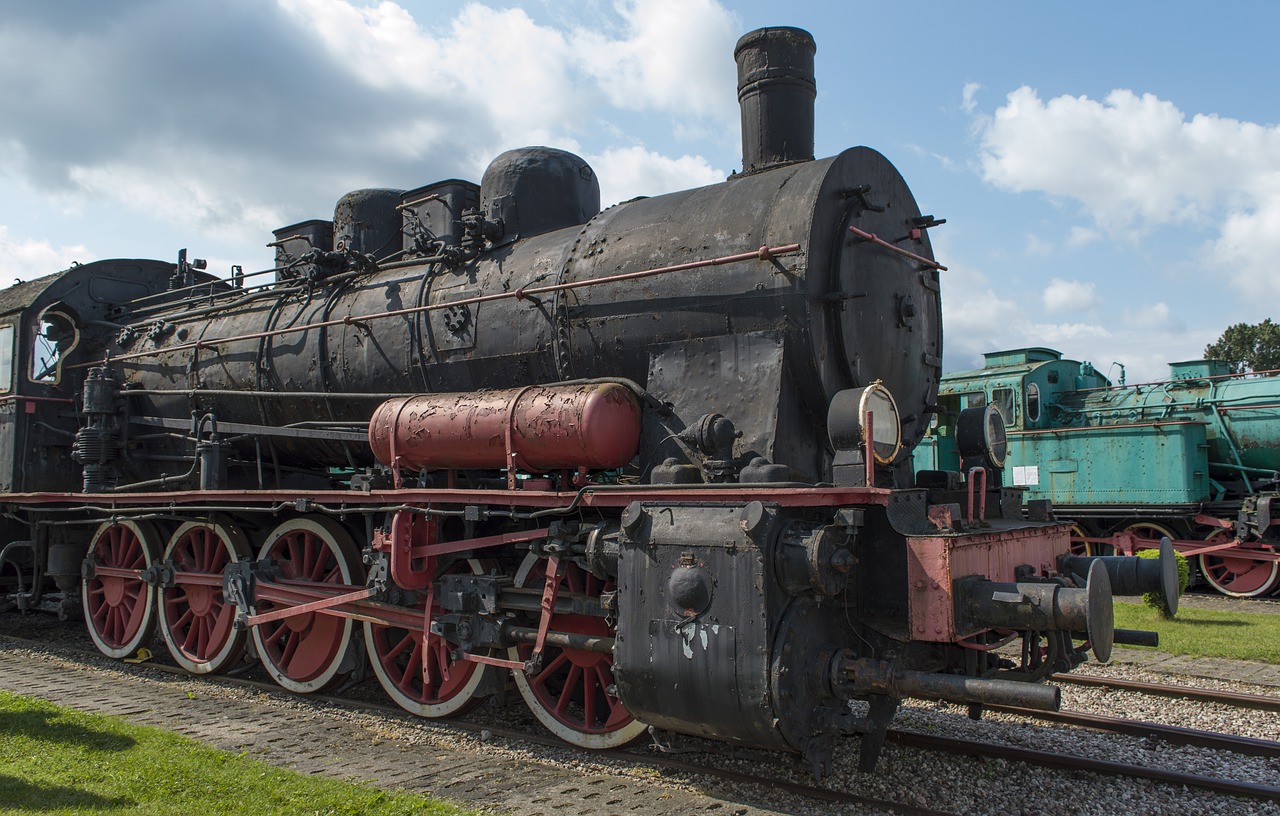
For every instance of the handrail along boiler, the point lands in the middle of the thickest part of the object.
(653, 461)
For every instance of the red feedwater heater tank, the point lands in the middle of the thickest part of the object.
(541, 428)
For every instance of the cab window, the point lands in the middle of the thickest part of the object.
(1002, 399)
(1033, 402)
(53, 338)
(6, 359)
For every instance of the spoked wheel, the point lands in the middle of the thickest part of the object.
(120, 611)
(1079, 531)
(573, 694)
(1236, 576)
(397, 655)
(310, 652)
(195, 618)
(1149, 530)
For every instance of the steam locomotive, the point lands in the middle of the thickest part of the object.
(652, 464)
(1194, 459)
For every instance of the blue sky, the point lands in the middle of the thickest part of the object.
(1109, 172)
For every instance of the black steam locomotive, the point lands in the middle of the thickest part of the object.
(652, 462)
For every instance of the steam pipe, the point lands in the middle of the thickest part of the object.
(764, 253)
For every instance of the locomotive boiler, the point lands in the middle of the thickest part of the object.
(1194, 458)
(652, 463)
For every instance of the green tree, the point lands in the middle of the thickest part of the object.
(1248, 347)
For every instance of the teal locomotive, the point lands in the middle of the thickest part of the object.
(1194, 458)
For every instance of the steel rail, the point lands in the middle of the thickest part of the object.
(1172, 734)
(1069, 762)
(764, 253)
(1262, 702)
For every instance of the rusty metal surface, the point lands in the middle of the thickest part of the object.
(934, 562)
(537, 429)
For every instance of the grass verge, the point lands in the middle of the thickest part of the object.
(57, 760)
(1207, 633)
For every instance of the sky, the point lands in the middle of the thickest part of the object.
(1109, 172)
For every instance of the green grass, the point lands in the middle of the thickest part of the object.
(1207, 633)
(56, 760)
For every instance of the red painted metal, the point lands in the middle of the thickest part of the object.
(408, 528)
(481, 543)
(550, 592)
(304, 608)
(982, 493)
(1212, 521)
(897, 250)
(428, 611)
(572, 689)
(517, 665)
(933, 562)
(116, 599)
(870, 453)
(537, 428)
(194, 613)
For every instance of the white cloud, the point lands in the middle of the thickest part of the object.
(1136, 163)
(980, 317)
(975, 317)
(326, 96)
(1079, 236)
(1038, 246)
(1154, 317)
(631, 171)
(1070, 296)
(673, 57)
(969, 102)
(27, 259)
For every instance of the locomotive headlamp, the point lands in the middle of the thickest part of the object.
(847, 421)
(980, 432)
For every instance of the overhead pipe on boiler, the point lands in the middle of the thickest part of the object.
(764, 253)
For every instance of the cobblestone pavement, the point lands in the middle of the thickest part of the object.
(293, 734)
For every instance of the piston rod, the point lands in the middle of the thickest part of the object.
(857, 677)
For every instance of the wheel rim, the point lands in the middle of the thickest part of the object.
(1238, 577)
(120, 612)
(570, 695)
(397, 654)
(195, 618)
(308, 653)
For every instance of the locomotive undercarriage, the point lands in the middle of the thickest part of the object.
(765, 611)
(1234, 547)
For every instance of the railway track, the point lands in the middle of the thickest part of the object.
(1262, 702)
(1169, 734)
(1253, 790)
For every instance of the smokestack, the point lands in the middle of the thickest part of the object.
(776, 90)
